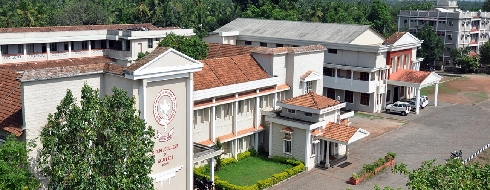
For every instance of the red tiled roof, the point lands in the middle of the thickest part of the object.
(311, 100)
(473, 42)
(472, 54)
(10, 102)
(474, 30)
(316, 132)
(82, 27)
(280, 50)
(411, 76)
(227, 71)
(338, 132)
(226, 50)
(143, 61)
(394, 37)
(287, 130)
(308, 73)
(240, 133)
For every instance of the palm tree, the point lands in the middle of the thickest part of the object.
(28, 13)
(142, 11)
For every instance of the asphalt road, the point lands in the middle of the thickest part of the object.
(433, 133)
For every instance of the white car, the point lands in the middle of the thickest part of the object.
(424, 101)
(399, 107)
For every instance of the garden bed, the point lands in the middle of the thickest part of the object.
(369, 170)
(252, 172)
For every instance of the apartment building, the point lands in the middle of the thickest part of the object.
(456, 28)
(121, 42)
(357, 62)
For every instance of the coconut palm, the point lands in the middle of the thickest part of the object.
(27, 12)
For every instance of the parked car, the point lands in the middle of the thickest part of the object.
(424, 101)
(399, 107)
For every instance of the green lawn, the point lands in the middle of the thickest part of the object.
(249, 170)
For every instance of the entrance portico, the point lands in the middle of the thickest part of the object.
(415, 80)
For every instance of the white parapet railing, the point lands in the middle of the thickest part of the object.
(476, 153)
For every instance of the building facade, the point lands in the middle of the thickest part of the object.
(455, 27)
(357, 62)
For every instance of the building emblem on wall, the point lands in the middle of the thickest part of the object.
(164, 109)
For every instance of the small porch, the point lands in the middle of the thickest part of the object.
(411, 79)
(331, 144)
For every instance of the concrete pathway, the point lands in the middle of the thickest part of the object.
(434, 133)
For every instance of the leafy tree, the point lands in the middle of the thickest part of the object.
(83, 12)
(485, 54)
(101, 144)
(193, 47)
(452, 175)
(469, 64)
(141, 55)
(27, 12)
(432, 48)
(14, 167)
(380, 16)
(219, 146)
(457, 54)
(486, 6)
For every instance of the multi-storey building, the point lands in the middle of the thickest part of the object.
(455, 27)
(357, 64)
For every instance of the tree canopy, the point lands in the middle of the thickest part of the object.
(452, 175)
(14, 165)
(485, 53)
(432, 48)
(193, 47)
(101, 144)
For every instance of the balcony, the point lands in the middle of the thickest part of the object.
(118, 54)
(354, 84)
(37, 56)
(12, 58)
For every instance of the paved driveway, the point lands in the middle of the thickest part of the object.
(434, 133)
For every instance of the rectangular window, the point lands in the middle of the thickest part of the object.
(291, 111)
(92, 45)
(240, 106)
(365, 99)
(53, 47)
(348, 74)
(332, 51)
(309, 86)
(240, 143)
(150, 42)
(157, 39)
(84, 45)
(388, 95)
(287, 143)
(65, 46)
(5, 49)
(218, 111)
(20, 49)
(364, 76)
(279, 45)
(206, 114)
(331, 93)
(349, 96)
(249, 43)
(128, 45)
(308, 114)
(402, 91)
(263, 44)
(328, 72)
(450, 37)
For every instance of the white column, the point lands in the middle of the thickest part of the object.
(351, 76)
(417, 103)
(274, 101)
(336, 75)
(48, 51)
(256, 141)
(235, 148)
(235, 117)
(270, 139)
(213, 123)
(257, 112)
(89, 48)
(189, 146)
(25, 52)
(69, 49)
(347, 151)
(211, 169)
(327, 161)
(436, 93)
(307, 151)
(142, 98)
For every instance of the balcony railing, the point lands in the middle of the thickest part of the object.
(350, 84)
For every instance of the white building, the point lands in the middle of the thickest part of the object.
(356, 65)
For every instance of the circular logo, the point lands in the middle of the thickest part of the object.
(165, 107)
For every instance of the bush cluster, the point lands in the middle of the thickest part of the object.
(369, 168)
(298, 167)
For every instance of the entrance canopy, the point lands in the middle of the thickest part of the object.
(339, 133)
(413, 78)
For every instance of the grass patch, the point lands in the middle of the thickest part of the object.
(249, 170)
(480, 96)
(442, 88)
(371, 117)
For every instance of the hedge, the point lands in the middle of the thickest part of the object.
(261, 184)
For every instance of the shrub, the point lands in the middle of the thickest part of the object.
(355, 176)
(253, 152)
(382, 160)
(388, 158)
(227, 161)
(243, 155)
(392, 154)
(369, 168)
